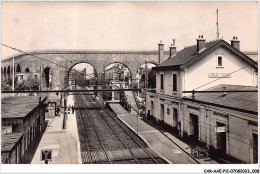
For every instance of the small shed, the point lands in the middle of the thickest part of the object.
(11, 147)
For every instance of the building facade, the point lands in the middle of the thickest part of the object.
(202, 66)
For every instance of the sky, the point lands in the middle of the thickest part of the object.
(81, 66)
(124, 25)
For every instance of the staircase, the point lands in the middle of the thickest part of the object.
(131, 99)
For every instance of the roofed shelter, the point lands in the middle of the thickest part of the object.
(23, 116)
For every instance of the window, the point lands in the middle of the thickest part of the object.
(220, 63)
(152, 107)
(174, 82)
(168, 111)
(21, 77)
(162, 87)
(35, 77)
(175, 114)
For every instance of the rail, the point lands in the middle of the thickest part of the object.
(85, 133)
(109, 113)
(91, 121)
(102, 116)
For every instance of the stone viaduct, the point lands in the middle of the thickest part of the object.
(59, 62)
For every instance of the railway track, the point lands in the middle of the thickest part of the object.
(105, 139)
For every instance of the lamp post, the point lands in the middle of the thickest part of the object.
(13, 77)
(137, 81)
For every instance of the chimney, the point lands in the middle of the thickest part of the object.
(235, 43)
(172, 48)
(201, 42)
(161, 51)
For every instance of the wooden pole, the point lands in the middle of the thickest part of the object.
(13, 76)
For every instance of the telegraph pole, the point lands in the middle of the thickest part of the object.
(138, 80)
(217, 26)
(40, 77)
(13, 76)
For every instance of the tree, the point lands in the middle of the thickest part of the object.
(6, 84)
(28, 85)
(151, 79)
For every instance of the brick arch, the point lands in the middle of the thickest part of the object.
(8, 72)
(26, 70)
(4, 73)
(18, 68)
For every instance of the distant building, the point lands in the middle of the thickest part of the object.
(117, 72)
(198, 68)
(21, 76)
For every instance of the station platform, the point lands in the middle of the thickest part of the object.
(169, 147)
(63, 142)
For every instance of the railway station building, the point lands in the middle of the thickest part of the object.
(23, 121)
(224, 122)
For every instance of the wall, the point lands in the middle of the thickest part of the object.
(238, 133)
(61, 61)
(198, 74)
(168, 83)
(239, 140)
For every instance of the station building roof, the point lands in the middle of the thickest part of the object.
(190, 55)
(9, 140)
(18, 106)
(246, 102)
(252, 54)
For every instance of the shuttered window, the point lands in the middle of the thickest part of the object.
(174, 82)
(162, 87)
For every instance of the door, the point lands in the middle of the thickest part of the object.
(255, 148)
(175, 117)
(152, 108)
(162, 113)
(194, 127)
(221, 141)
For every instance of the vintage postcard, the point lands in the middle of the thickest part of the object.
(130, 83)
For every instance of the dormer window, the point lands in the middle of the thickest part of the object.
(220, 61)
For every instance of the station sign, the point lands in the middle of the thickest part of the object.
(219, 75)
(221, 129)
(46, 155)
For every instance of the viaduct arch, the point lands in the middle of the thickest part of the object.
(61, 61)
